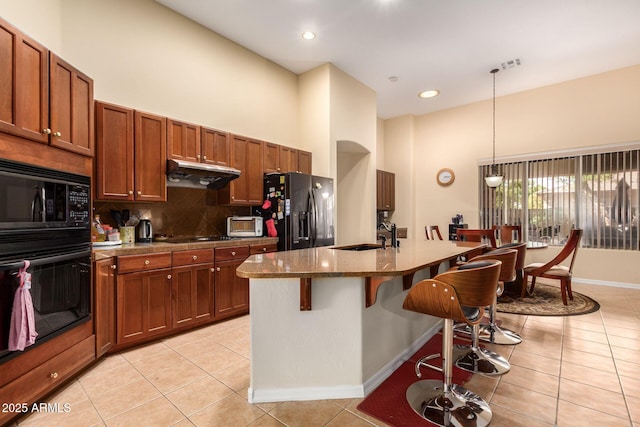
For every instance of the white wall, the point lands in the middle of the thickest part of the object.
(39, 19)
(597, 110)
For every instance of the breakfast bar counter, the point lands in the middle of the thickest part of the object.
(328, 323)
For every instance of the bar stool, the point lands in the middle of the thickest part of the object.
(481, 360)
(493, 333)
(458, 294)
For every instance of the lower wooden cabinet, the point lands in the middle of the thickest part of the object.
(143, 303)
(104, 307)
(192, 287)
(231, 291)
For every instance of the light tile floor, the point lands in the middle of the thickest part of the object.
(569, 371)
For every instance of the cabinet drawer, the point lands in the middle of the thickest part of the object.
(46, 377)
(235, 252)
(190, 257)
(129, 263)
(262, 249)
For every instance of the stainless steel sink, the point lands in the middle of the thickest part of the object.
(360, 247)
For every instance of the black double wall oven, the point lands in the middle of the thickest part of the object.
(44, 219)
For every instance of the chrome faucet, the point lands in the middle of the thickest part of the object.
(393, 230)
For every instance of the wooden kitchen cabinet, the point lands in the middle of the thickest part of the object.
(183, 141)
(104, 311)
(231, 292)
(130, 155)
(192, 287)
(385, 190)
(247, 156)
(215, 147)
(143, 303)
(271, 158)
(43, 98)
(304, 162)
(263, 249)
(288, 159)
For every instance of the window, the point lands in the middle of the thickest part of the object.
(597, 192)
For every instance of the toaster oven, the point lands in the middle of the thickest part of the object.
(244, 226)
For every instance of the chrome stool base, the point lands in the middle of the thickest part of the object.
(482, 361)
(494, 334)
(458, 407)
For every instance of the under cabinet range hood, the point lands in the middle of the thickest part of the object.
(181, 173)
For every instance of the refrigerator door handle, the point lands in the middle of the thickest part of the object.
(312, 218)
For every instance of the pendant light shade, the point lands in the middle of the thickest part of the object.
(494, 180)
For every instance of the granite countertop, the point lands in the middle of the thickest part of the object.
(410, 257)
(147, 248)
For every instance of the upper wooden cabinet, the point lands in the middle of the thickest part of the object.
(183, 141)
(385, 190)
(288, 159)
(304, 162)
(42, 97)
(215, 147)
(271, 158)
(131, 155)
(247, 156)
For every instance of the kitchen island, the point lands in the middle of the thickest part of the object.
(328, 322)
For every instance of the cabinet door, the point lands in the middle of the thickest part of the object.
(231, 291)
(143, 305)
(114, 152)
(271, 158)
(71, 107)
(183, 141)
(24, 100)
(390, 190)
(215, 147)
(191, 294)
(150, 157)
(247, 156)
(288, 159)
(104, 313)
(304, 162)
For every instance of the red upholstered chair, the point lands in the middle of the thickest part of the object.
(432, 231)
(477, 235)
(553, 269)
(459, 294)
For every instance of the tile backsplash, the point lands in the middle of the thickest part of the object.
(187, 212)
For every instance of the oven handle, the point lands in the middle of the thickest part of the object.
(45, 260)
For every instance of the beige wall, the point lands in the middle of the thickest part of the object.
(143, 55)
(597, 110)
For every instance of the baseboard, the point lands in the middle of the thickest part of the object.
(376, 379)
(305, 393)
(342, 392)
(577, 280)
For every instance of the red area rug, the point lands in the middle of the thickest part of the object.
(388, 403)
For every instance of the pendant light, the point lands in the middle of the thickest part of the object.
(494, 180)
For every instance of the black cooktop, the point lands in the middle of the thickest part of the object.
(192, 239)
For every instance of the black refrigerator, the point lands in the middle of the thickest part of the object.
(301, 208)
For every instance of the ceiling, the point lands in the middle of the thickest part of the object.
(448, 45)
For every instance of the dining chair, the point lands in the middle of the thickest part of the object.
(553, 269)
(432, 231)
(508, 233)
(477, 235)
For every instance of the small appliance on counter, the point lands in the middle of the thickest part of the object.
(145, 231)
(244, 226)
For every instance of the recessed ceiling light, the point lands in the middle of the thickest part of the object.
(308, 35)
(393, 79)
(429, 93)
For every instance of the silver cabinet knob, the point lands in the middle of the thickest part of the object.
(113, 267)
(57, 134)
(233, 253)
(217, 268)
(169, 276)
(46, 131)
(147, 262)
(130, 192)
(212, 270)
(204, 157)
(53, 375)
(195, 257)
(139, 193)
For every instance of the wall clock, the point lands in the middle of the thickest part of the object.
(445, 177)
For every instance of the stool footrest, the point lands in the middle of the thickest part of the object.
(422, 362)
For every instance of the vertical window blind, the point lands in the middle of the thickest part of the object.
(548, 197)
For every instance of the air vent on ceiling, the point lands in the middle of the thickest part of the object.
(511, 64)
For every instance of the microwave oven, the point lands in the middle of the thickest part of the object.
(244, 226)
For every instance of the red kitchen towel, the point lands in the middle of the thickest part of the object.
(22, 329)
